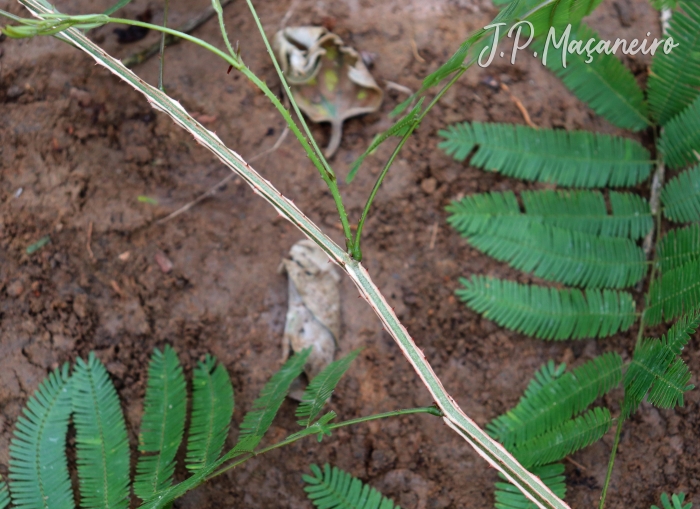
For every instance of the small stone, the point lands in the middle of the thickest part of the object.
(125, 256)
(14, 92)
(163, 262)
(429, 185)
(15, 289)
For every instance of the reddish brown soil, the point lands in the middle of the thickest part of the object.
(82, 147)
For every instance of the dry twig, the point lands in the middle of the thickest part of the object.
(519, 105)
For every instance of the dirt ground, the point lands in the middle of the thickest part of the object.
(81, 147)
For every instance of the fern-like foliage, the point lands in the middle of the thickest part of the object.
(553, 397)
(321, 387)
(4, 494)
(586, 211)
(577, 159)
(674, 81)
(681, 196)
(676, 292)
(565, 439)
(605, 84)
(163, 424)
(38, 466)
(561, 255)
(680, 139)
(101, 441)
(335, 489)
(583, 211)
(664, 4)
(678, 247)
(509, 496)
(259, 418)
(675, 502)
(212, 409)
(657, 371)
(549, 313)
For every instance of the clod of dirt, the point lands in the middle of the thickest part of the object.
(329, 81)
(15, 289)
(428, 185)
(313, 313)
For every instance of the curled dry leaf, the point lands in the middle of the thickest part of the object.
(313, 313)
(329, 81)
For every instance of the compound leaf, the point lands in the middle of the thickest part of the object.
(576, 158)
(4, 494)
(604, 83)
(212, 410)
(162, 425)
(38, 465)
(321, 387)
(549, 313)
(675, 502)
(260, 416)
(509, 496)
(664, 4)
(681, 196)
(336, 489)
(578, 210)
(680, 138)
(674, 80)
(565, 439)
(101, 440)
(554, 397)
(678, 247)
(677, 291)
(561, 255)
(657, 371)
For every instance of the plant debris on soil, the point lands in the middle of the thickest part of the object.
(82, 147)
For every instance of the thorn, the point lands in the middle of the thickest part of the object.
(230, 68)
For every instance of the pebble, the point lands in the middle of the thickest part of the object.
(429, 185)
(163, 262)
(14, 92)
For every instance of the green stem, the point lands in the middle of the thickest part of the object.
(357, 252)
(329, 179)
(199, 42)
(293, 438)
(611, 462)
(220, 14)
(656, 235)
(162, 47)
(318, 159)
(454, 417)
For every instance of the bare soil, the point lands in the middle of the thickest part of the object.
(81, 147)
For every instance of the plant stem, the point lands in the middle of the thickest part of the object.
(611, 462)
(493, 452)
(240, 66)
(162, 47)
(649, 244)
(319, 160)
(220, 14)
(187, 27)
(293, 438)
(357, 252)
